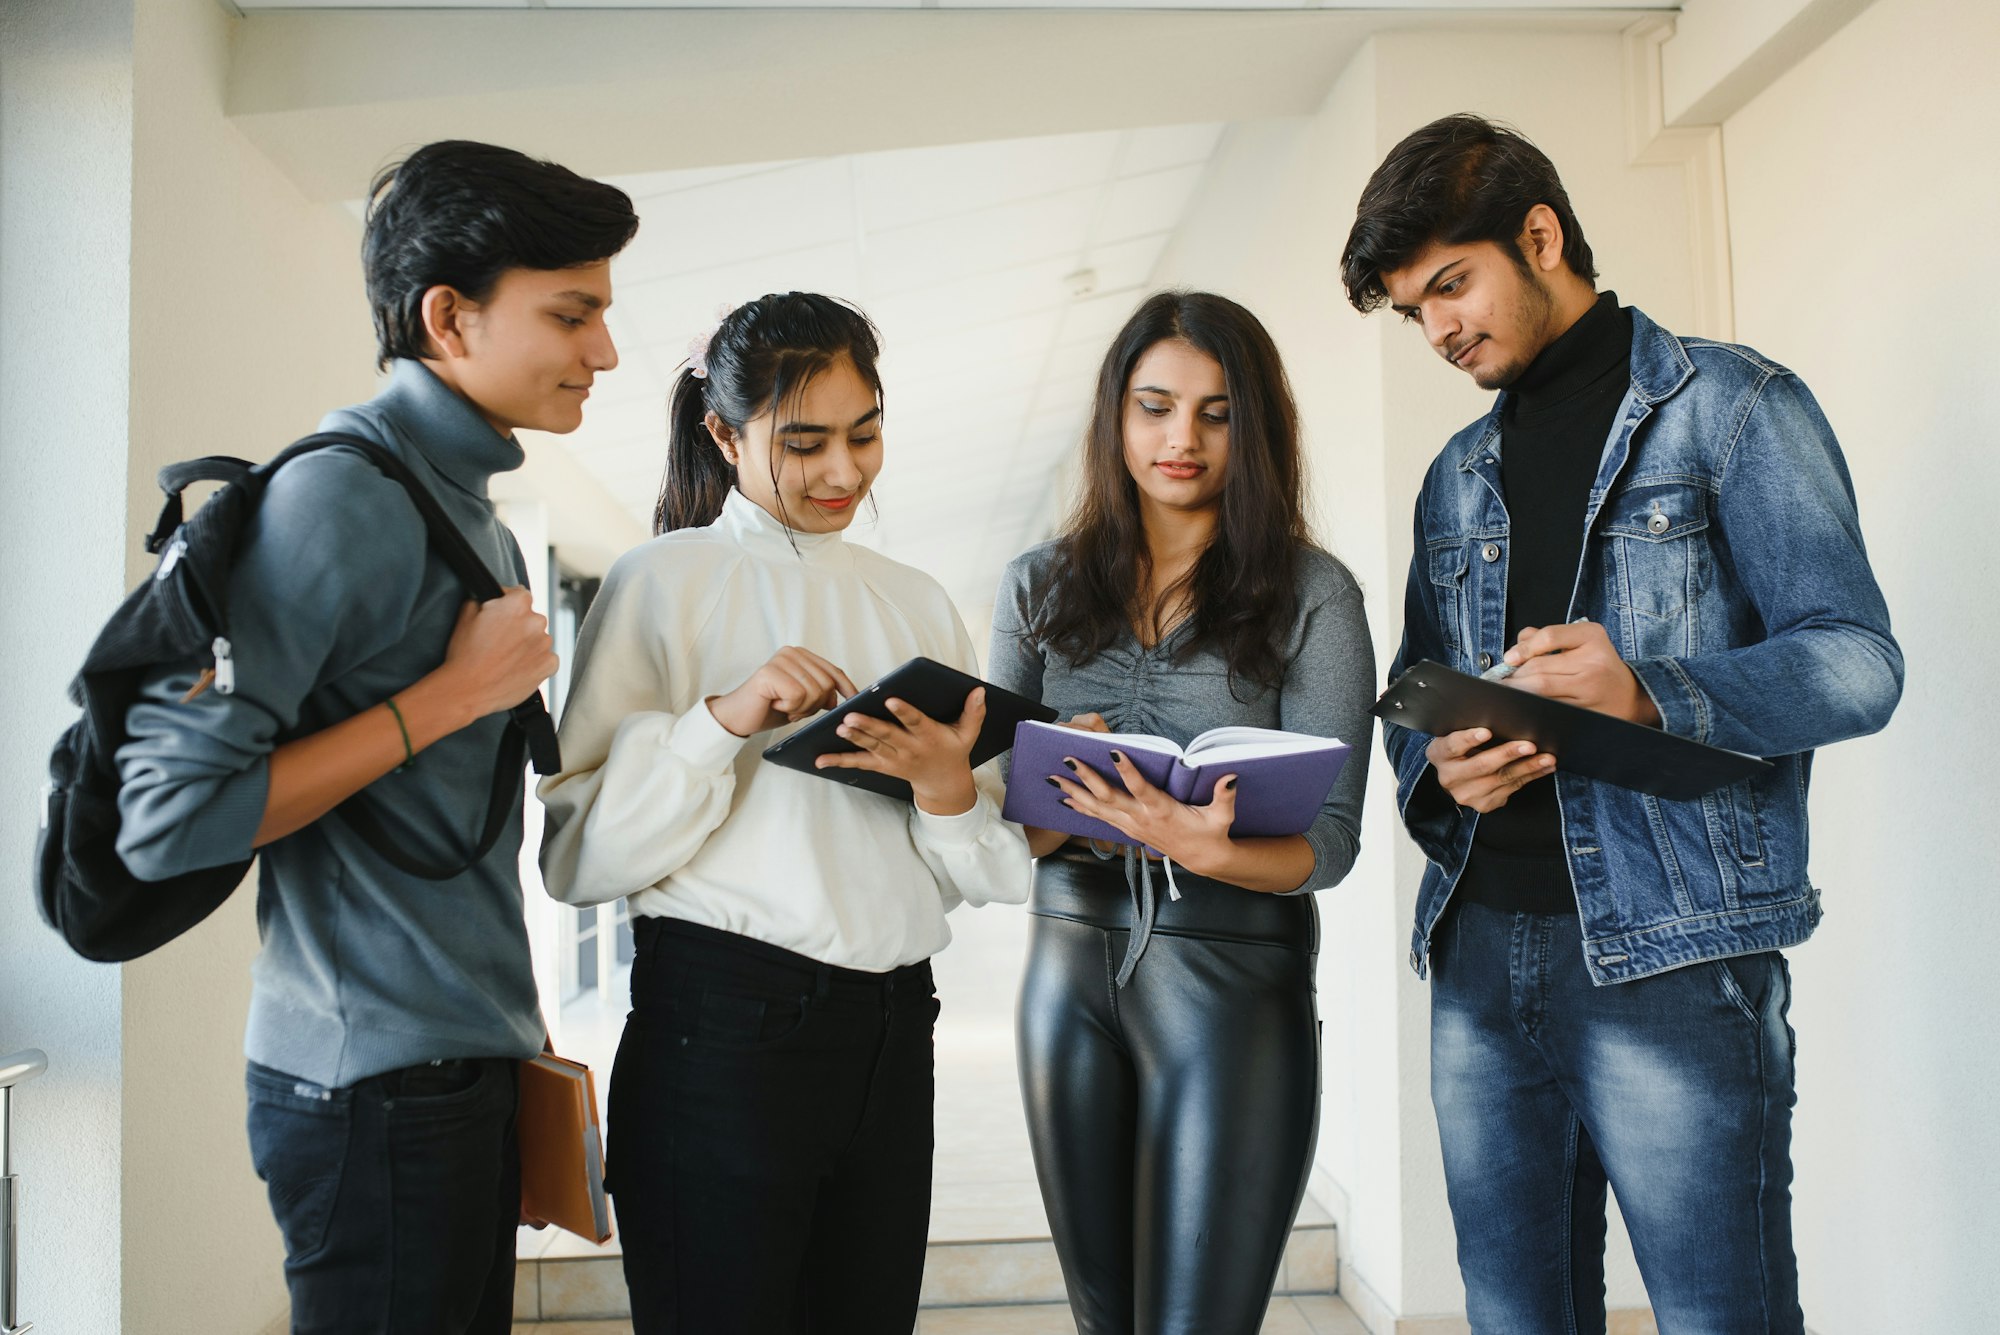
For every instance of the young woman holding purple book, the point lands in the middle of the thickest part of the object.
(1169, 1045)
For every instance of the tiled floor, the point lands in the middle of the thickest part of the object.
(1288, 1316)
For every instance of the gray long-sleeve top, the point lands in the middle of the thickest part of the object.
(1328, 687)
(335, 604)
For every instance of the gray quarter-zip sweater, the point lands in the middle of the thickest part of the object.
(336, 603)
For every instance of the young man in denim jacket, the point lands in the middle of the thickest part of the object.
(389, 1013)
(1663, 529)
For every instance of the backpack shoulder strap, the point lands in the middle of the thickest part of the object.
(529, 726)
(531, 715)
(445, 536)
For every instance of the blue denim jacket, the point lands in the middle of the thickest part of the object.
(1723, 557)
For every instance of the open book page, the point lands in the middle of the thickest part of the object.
(1229, 746)
(1132, 741)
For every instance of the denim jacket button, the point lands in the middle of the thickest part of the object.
(1485, 661)
(1490, 552)
(1658, 524)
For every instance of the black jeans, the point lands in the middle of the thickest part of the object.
(770, 1138)
(1173, 1119)
(398, 1196)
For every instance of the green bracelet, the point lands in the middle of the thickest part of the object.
(409, 755)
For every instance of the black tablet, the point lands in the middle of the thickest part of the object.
(938, 691)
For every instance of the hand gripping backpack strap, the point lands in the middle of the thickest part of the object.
(529, 729)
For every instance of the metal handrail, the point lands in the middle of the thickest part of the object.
(14, 1069)
(23, 1065)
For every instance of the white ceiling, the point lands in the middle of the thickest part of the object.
(253, 6)
(960, 254)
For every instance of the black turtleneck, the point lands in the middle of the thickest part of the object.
(1553, 427)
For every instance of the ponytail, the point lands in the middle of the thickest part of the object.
(698, 478)
(761, 354)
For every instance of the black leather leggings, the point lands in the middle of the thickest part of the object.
(1173, 1119)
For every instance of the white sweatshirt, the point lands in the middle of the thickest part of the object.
(660, 802)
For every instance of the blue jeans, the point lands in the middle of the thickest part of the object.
(1675, 1089)
(398, 1196)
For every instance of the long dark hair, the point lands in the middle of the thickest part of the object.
(760, 357)
(1242, 591)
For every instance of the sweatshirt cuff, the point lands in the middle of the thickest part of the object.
(701, 740)
(158, 841)
(950, 833)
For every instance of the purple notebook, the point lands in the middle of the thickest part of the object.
(1282, 778)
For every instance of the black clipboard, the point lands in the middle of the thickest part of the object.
(938, 691)
(1433, 698)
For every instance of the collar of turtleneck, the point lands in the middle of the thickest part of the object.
(447, 430)
(758, 532)
(1598, 345)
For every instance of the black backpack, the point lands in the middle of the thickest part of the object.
(180, 615)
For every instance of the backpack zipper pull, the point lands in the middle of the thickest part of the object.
(173, 558)
(225, 667)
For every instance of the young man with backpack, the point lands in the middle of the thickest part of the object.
(1663, 529)
(389, 1011)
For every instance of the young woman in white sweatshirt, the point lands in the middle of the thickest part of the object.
(771, 1101)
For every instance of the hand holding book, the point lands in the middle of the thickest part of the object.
(1137, 789)
(1197, 837)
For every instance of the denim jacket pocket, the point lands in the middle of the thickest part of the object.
(1657, 535)
(1748, 823)
(1447, 562)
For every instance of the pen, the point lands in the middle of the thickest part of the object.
(1502, 670)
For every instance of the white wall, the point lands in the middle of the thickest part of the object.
(1724, 52)
(1863, 188)
(1377, 407)
(65, 190)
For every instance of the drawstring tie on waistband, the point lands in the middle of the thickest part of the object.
(1139, 884)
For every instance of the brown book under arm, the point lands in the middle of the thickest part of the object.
(562, 1150)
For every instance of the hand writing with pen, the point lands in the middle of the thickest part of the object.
(1575, 663)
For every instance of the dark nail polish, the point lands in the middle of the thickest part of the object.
(1071, 764)
(1230, 784)
(1118, 756)
(1053, 782)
